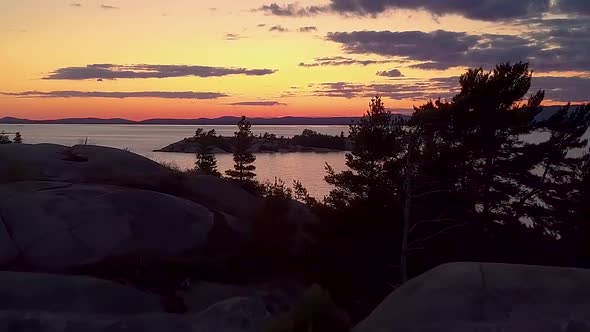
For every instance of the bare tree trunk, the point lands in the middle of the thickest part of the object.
(407, 215)
(406, 232)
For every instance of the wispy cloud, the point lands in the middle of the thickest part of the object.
(117, 95)
(559, 89)
(258, 103)
(278, 28)
(415, 89)
(486, 10)
(232, 36)
(75, 4)
(108, 7)
(308, 29)
(390, 73)
(341, 61)
(292, 10)
(137, 71)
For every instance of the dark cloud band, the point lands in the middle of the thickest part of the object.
(549, 49)
(559, 89)
(341, 61)
(390, 73)
(258, 103)
(406, 89)
(117, 95)
(485, 10)
(113, 71)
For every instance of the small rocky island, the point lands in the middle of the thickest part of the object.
(308, 141)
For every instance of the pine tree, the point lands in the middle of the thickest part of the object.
(371, 181)
(243, 158)
(206, 162)
(480, 132)
(551, 193)
(18, 138)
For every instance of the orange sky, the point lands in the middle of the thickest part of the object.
(40, 37)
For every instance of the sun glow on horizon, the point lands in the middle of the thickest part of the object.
(154, 59)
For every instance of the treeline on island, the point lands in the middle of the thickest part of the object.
(458, 181)
(307, 141)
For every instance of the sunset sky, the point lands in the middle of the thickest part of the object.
(141, 59)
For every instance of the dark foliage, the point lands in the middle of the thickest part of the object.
(310, 138)
(206, 163)
(210, 138)
(459, 181)
(244, 159)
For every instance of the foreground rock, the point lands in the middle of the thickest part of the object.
(222, 195)
(57, 225)
(39, 292)
(80, 163)
(42, 302)
(487, 297)
(107, 174)
(104, 165)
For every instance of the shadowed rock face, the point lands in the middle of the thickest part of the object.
(100, 201)
(486, 297)
(107, 212)
(80, 163)
(57, 225)
(43, 302)
(39, 292)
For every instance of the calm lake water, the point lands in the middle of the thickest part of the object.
(306, 167)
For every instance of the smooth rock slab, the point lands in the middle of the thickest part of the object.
(56, 225)
(233, 315)
(485, 297)
(80, 163)
(38, 292)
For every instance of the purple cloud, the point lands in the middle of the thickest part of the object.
(341, 61)
(113, 71)
(258, 103)
(118, 95)
(390, 73)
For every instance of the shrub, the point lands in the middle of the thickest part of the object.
(315, 313)
(310, 138)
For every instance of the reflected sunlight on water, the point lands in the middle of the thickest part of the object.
(143, 139)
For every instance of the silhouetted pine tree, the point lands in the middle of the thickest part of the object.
(370, 184)
(486, 177)
(481, 132)
(243, 159)
(206, 162)
(577, 215)
(548, 192)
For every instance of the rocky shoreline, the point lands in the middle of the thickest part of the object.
(260, 145)
(308, 141)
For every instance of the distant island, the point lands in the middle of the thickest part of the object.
(225, 120)
(307, 141)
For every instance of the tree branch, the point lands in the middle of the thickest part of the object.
(437, 192)
(443, 231)
(434, 221)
